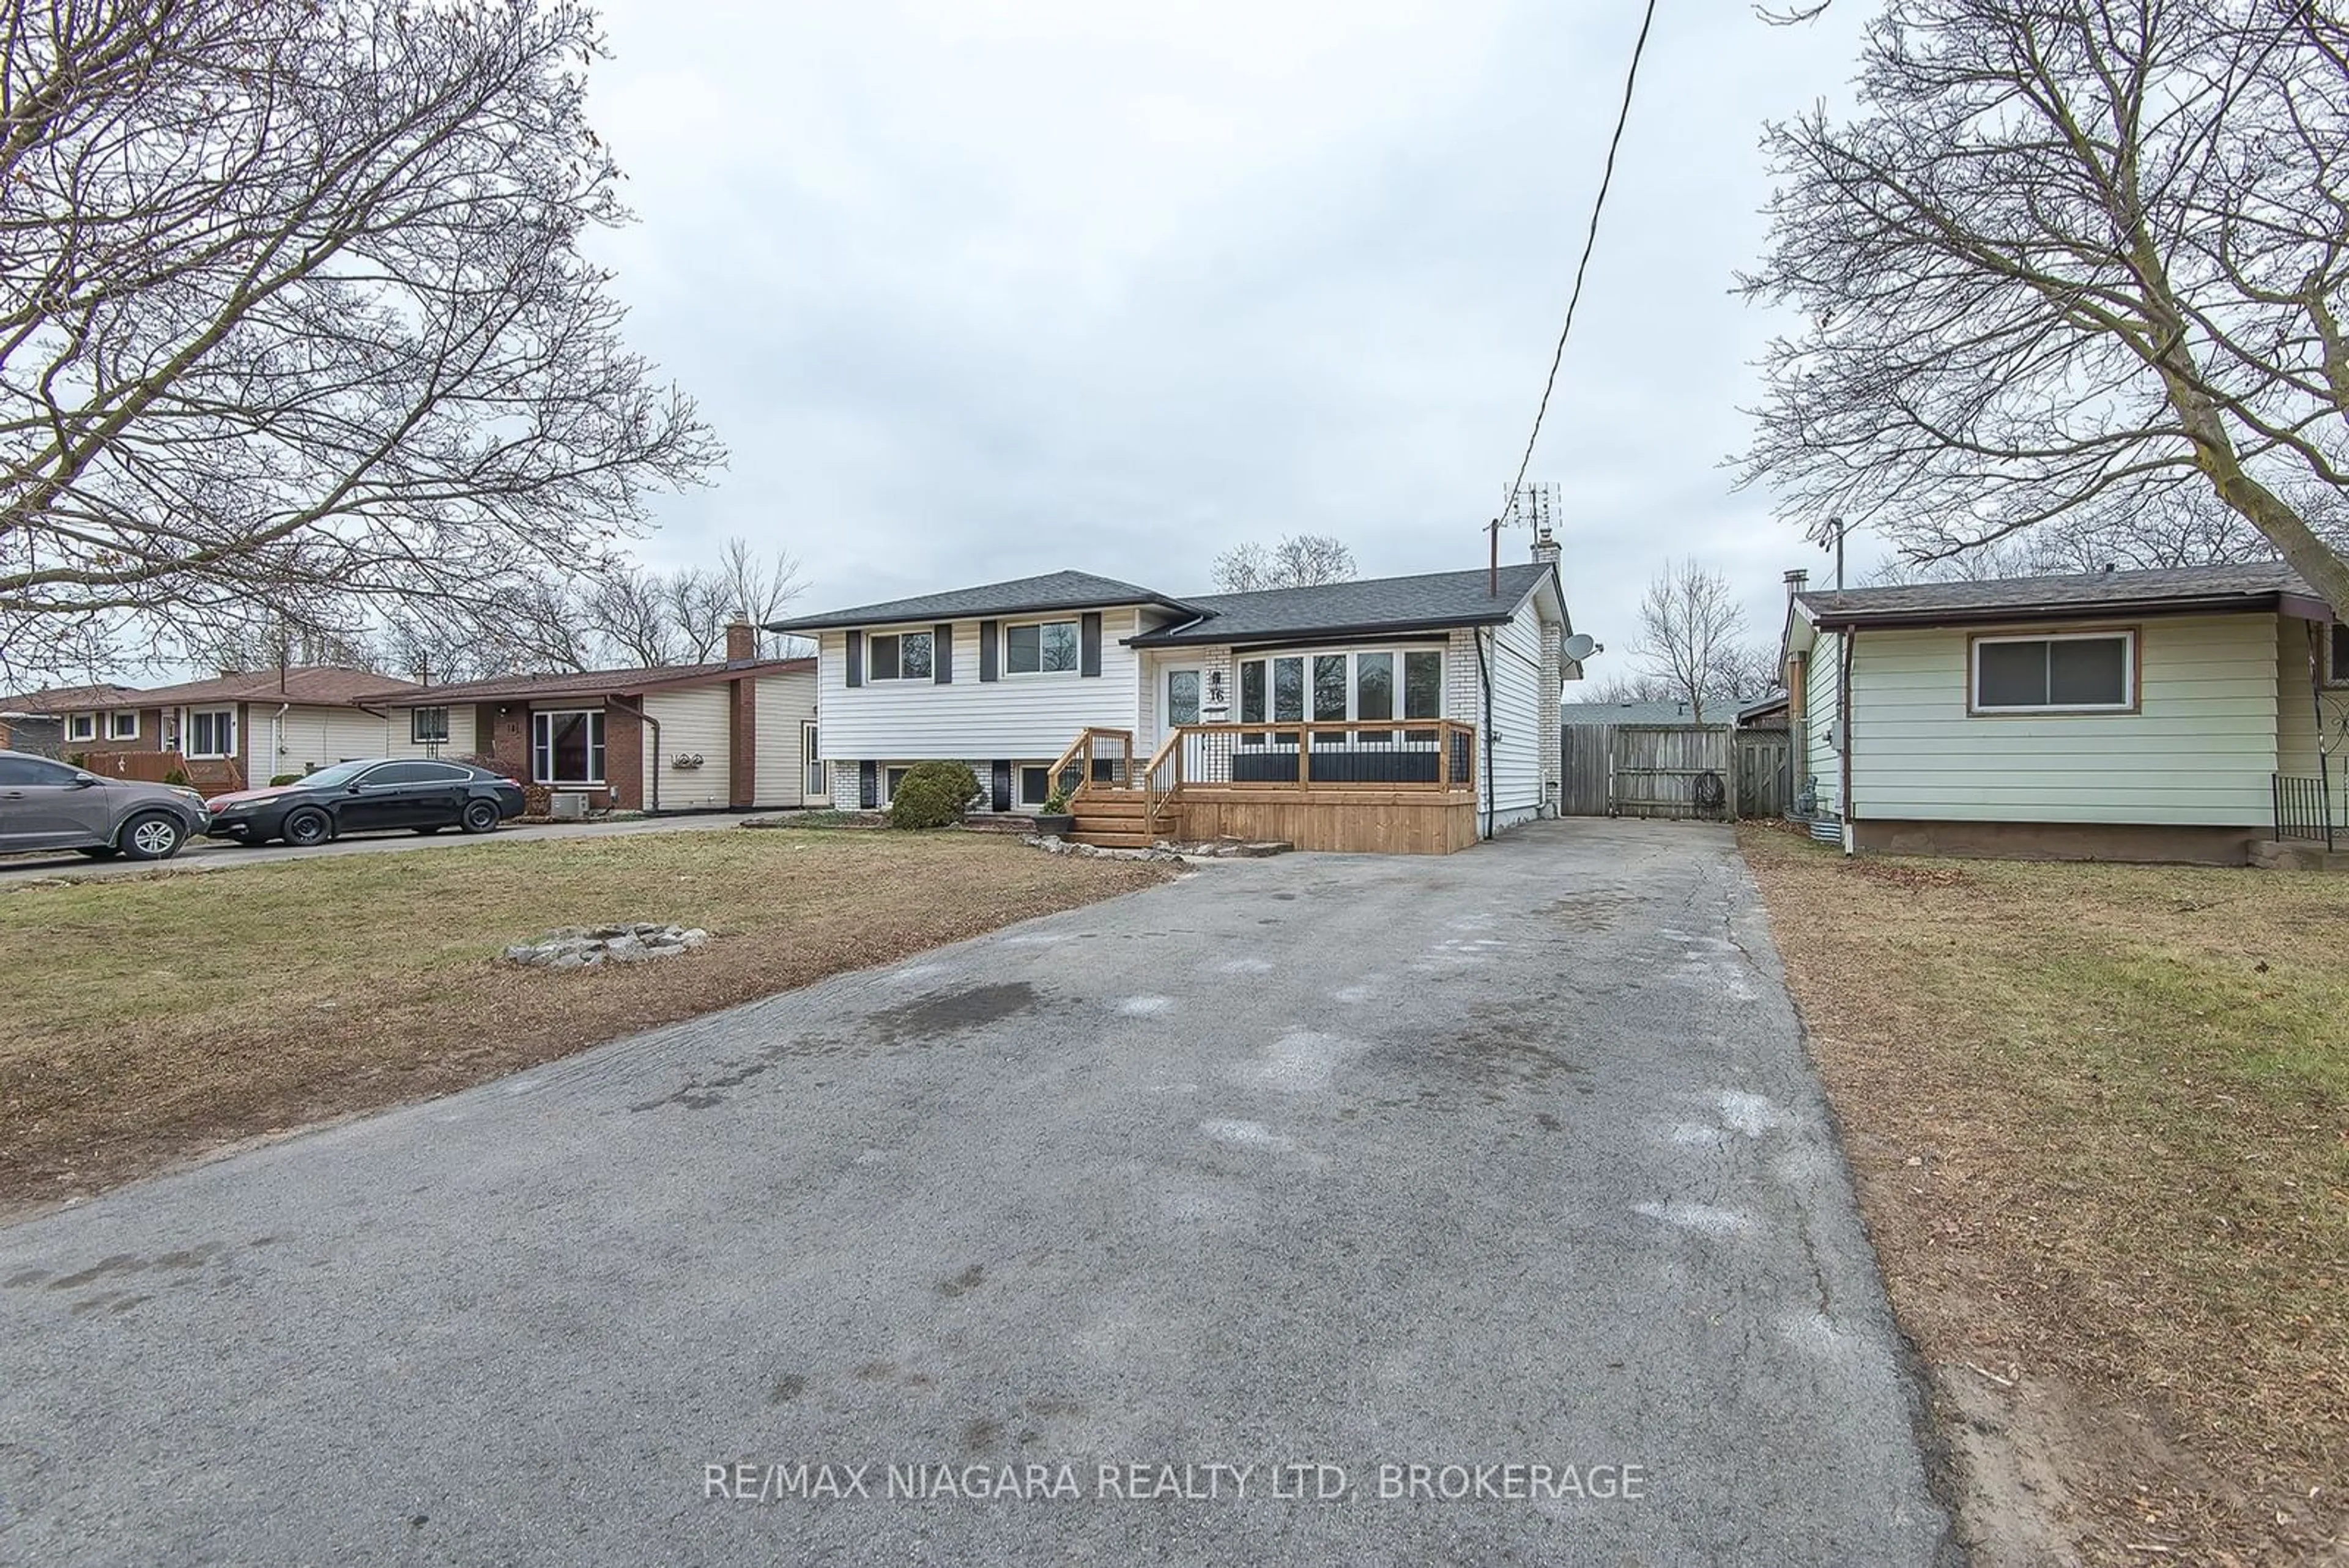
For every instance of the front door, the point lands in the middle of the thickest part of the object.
(1183, 689)
(816, 783)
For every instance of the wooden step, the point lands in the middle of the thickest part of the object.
(1102, 838)
(1109, 805)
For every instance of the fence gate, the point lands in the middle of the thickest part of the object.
(1764, 773)
(1649, 770)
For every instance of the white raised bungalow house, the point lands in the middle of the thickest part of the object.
(2185, 714)
(1402, 713)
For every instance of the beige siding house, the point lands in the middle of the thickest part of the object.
(2142, 715)
(726, 736)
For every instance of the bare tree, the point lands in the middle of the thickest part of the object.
(2076, 262)
(1688, 620)
(1743, 673)
(293, 320)
(1299, 561)
(759, 589)
(1624, 686)
(642, 617)
(537, 624)
(630, 613)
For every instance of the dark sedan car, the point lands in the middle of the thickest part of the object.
(366, 796)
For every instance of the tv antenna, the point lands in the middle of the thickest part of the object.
(1534, 507)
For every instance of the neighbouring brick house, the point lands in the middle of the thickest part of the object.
(697, 737)
(65, 718)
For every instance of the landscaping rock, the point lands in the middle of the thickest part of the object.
(1052, 844)
(591, 947)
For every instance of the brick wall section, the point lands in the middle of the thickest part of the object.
(507, 734)
(742, 741)
(623, 757)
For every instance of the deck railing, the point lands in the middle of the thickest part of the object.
(2303, 806)
(1433, 754)
(1097, 759)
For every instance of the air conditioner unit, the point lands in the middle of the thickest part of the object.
(569, 805)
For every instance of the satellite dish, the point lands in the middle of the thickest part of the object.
(1581, 647)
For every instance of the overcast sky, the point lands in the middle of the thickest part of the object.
(981, 288)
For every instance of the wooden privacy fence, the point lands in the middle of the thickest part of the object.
(1672, 770)
(159, 767)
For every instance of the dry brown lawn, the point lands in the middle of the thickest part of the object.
(2100, 1119)
(148, 1020)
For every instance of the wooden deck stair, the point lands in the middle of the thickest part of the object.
(1112, 818)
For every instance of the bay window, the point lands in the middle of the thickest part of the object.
(1347, 686)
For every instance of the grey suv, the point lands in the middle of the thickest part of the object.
(47, 804)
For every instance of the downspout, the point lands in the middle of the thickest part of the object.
(1485, 683)
(1843, 724)
(653, 724)
(277, 742)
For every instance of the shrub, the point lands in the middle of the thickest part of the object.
(177, 777)
(934, 795)
(276, 779)
(1055, 805)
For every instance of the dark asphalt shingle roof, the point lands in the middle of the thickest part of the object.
(589, 683)
(71, 698)
(1428, 602)
(1021, 595)
(2249, 586)
(328, 685)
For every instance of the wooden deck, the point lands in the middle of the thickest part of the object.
(1404, 788)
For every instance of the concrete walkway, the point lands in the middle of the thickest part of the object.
(1509, 1161)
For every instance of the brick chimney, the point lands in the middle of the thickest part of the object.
(1546, 546)
(741, 642)
(1795, 579)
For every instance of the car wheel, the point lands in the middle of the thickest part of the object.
(481, 815)
(306, 827)
(151, 835)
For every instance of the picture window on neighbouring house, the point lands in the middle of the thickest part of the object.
(211, 733)
(2071, 672)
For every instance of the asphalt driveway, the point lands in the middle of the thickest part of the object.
(218, 854)
(1280, 1179)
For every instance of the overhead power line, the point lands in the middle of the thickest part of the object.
(1589, 243)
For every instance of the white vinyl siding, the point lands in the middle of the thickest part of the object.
(1823, 722)
(693, 723)
(305, 738)
(1513, 653)
(2199, 750)
(781, 705)
(1026, 716)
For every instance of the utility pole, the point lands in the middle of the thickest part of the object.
(1836, 523)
